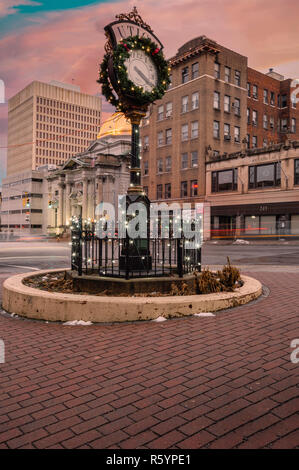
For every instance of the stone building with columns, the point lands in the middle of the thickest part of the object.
(97, 175)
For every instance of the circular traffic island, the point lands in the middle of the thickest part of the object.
(24, 295)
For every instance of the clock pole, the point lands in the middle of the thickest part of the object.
(135, 170)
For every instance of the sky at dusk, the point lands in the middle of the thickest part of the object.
(64, 40)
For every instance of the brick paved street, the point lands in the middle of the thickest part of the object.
(216, 382)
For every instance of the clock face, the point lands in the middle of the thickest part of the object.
(141, 70)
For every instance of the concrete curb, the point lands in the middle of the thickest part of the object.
(42, 305)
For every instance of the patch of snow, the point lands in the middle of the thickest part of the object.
(240, 241)
(78, 323)
(160, 319)
(205, 314)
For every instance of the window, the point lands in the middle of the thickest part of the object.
(194, 158)
(145, 168)
(159, 191)
(194, 188)
(168, 110)
(159, 165)
(167, 191)
(248, 88)
(254, 117)
(265, 142)
(225, 180)
(168, 134)
(185, 75)
(265, 121)
(237, 107)
(237, 134)
(284, 124)
(145, 189)
(226, 129)
(284, 101)
(226, 103)
(264, 176)
(145, 142)
(255, 92)
(266, 99)
(296, 176)
(184, 132)
(184, 104)
(216, 130)
(160, 112)
(184, 189)
(217, 70)
(272, 98)
(216, 153)
(195, 100)
(194, 129)
(195, 70)
(248, 141)
(237, 77)
(168, 164)
(293, 125)
(248, 115)
(227, 74)
(271, 122)
(254, 141)
(160, 139)
(216, 100)
(184, 161)
(170, 81)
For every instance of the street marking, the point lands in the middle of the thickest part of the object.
(15, 266)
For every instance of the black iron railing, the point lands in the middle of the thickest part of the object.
(130, 258)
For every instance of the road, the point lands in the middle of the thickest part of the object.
(20, 257)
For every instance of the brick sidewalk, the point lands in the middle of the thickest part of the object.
(221, 382)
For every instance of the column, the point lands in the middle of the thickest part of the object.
(60, 205)
(68, 213)
(207, 221)
(85, 199)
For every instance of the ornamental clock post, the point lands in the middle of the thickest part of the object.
(133, 74)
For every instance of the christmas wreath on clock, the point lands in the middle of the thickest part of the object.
(140, 69)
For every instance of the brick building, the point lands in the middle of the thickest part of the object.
(203, 111)
(216, 106)
(270, 113)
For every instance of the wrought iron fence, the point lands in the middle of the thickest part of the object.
(131, 258)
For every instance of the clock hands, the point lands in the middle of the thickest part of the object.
(141, 74)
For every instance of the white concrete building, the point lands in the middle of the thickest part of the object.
(99, 174)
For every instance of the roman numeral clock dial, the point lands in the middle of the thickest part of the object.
(141, 70)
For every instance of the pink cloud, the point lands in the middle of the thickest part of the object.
(69, 45)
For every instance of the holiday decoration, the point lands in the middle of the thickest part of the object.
(128, 92)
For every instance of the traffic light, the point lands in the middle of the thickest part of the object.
(24, 197)
(27, 202)
(49, 204)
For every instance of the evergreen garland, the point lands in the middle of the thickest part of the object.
(127, 88)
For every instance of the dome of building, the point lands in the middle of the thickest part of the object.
(117, 124)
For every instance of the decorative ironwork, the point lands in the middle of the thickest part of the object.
(108, 45)
(93, 255)
(135, 17)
